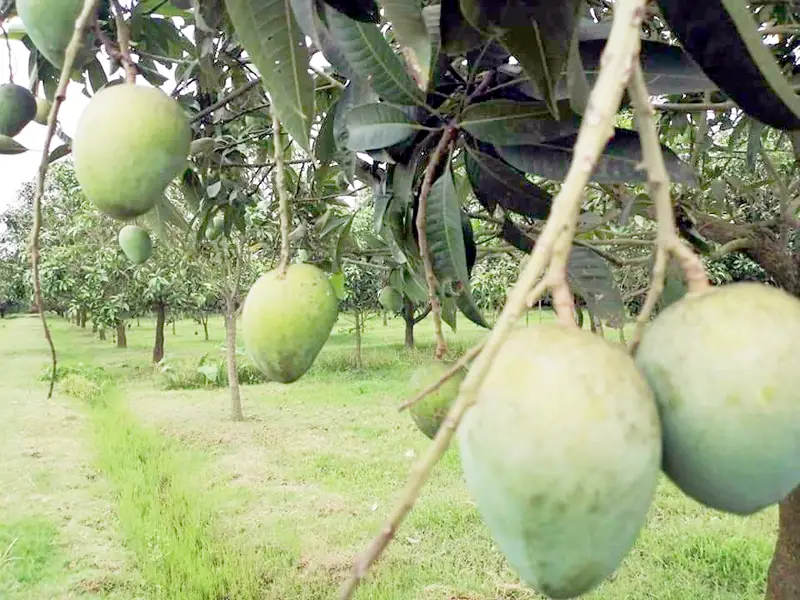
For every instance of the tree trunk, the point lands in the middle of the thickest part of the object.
(102, 333)
(359, 325)
(408, 316)
(385, 318)
(173, 326)
(204, 320)
(138, 323)
(158, 347)
(233, 373)
(82, 317)
(784, 572)
(122, 337)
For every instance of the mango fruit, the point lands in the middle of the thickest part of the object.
(130, 142)
(135, 243)
(43, 106)
(561, 454)
(287, 320)
(50, 25)
(17, 108)
(723, 367)
(430, 413)
(390, 299)
(215, 228)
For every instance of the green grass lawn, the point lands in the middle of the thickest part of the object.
(119, 488)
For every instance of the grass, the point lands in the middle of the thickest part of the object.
(277, 507)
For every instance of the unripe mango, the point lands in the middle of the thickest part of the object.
(287, 320)
(430, 413)
(135, 243)
(17, 108)
(724, 368)
(561, 454)
(50, 25)
(43, 106)
(130, 143)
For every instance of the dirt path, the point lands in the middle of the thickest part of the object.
(58, 535)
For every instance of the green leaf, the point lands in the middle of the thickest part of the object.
(591, 278)
(60, 152)
(407, 22)
(273, 40)
(723, 38)
(496, 182)
(372, 126)
(511, 123)
(444, 232)
(469, 308)
(536, 33)
(449, 311)
(371, 56)
(308, 18)
(325, 144)
(337, 283)
(458, 36)
(619, 163)
(577, 82)
(11, 146)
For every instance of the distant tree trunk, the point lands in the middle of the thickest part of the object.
(82, 318)
(138, 323)
(122, 337)
(385, 318)
(95, 327)
(173, 326)
(161, 318)
(102, 333)
(230, 347)
(204, 320)
(408, 317)
(359, 325)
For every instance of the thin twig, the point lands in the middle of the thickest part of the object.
(124, 41)
(457, 366)
(422, 230)
(230, 97)
(10, 57)
(74, 47)
(282, 192)
(596, 129)
(669, 242)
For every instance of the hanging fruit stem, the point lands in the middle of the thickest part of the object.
(124, 41)
(424, 248)
(552, 248)
(82, 23)
(283, 195)
(668, 240)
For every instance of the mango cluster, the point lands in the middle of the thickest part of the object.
(563, 449)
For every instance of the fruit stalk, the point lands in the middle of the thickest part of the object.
(668, 241)
(81, 25)
(597, 127)
(283, 196)
(124, 41)
(424, 248)
(8, 48)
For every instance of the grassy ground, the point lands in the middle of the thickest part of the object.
(146, 493)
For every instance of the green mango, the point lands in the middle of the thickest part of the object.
(130, 142)
(390, 299)
(50, 25)
(216, 228)
(430, 413)
(43, 106)
(561, 453)
(17, 108)
(135, 243)
(723, 366)
(286, 321)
